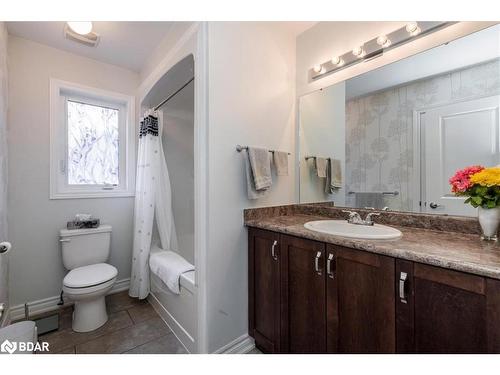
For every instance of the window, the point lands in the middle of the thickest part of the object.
(92, 142)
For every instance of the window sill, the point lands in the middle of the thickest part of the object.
(87, 195)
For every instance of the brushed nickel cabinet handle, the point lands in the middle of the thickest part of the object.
(402, 284)
(316, 263)
(329, 266)
(273, 251)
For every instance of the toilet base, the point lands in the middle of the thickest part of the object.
(89, 315)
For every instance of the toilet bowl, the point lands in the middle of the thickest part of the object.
(89, 279)
(87, 286)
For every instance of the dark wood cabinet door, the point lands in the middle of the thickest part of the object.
(264, 289)
(445, 311)
(303, 311)
(364, 285)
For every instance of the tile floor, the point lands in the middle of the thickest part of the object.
(133, 328)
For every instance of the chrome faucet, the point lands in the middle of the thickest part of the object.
(354, 218)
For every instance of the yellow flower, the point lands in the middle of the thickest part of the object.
(487, 177)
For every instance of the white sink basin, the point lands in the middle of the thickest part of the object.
(344, 229)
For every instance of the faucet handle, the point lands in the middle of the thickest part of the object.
(349, 212)
(368, 217)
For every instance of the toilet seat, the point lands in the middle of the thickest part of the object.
(91, 276)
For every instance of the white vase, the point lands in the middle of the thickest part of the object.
(489, 218)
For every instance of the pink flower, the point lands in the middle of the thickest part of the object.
(460, 182)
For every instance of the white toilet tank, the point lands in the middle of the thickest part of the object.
(83, 247)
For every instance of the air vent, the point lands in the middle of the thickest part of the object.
(91, 39)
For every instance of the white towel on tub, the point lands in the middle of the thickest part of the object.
(169, 266)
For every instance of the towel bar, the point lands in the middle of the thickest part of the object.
(381, 192)
(240, 148)
(314, 157)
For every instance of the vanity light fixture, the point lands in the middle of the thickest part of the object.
(376, 47)
(383, 41)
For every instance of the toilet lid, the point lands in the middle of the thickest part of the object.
(86, 276)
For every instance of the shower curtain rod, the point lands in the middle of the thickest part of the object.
(174, 94)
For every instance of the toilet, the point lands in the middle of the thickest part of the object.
(84, 253)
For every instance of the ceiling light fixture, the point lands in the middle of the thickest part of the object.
(81, 27)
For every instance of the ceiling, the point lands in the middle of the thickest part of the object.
(126, 44)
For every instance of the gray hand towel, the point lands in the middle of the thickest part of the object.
(260, 162)
(333, 176)
(281, 162)
(321, 164)
(252, 193)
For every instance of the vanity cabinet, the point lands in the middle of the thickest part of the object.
(445, 311)
(300, 290)
(264, 289)
(310, 297)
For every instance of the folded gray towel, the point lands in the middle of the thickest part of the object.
(321, 164)
(281, 162)
(261, 167)
(252, 193)
(333, 176)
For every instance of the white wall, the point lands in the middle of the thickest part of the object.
(326, 39)
(177, 30)
(36, 270)
(251, 102)
(4, 290)
(322, 133)
(178, 142)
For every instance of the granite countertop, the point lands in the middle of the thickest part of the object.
(458, 251)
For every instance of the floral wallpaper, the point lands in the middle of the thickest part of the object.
(3, 163)
(379, 128)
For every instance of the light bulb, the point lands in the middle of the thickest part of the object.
(411, 27)
(337, 61)
(383, 41)
(317, 68)
(358, 52)
(81, 28)
(416, 31)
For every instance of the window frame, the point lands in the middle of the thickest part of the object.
(60, 93)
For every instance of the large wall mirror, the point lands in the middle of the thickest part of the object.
(395, 135)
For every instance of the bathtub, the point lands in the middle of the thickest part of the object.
(178, 310)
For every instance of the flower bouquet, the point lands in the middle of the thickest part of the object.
(481, 186)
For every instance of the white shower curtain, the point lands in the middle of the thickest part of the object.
(153, 199)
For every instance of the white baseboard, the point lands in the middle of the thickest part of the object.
(241, 345)
(50, 304)
(182, 335)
